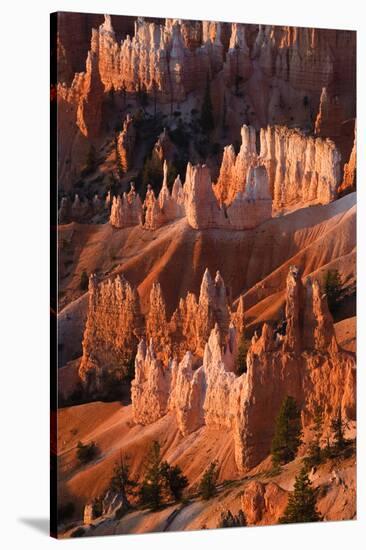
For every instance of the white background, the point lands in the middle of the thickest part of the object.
(24, 257)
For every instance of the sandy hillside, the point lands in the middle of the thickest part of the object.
(251, 262)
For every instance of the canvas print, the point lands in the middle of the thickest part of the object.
(204, 329)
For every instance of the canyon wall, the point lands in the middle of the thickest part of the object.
(296, 70)
(172, 57)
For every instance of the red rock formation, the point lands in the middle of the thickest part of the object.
(164, 148)
(157, 328)
(238, 64)
(112, 330)
(187, 394)
(167, 207)
(192, 322)
(262, 503)
(158, 58)
(247, 210)
(74, 37)
(150, 388)
(126, 211)
(234, 169)
(126, 143)
(306, 365)
(349, 174)
(301, 169)
(237, 317)
(329, 119)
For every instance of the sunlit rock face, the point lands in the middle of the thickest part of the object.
(126, 210)
(126, 143)
(349, 174)
(113, 328)
(150, 387)
(301, 169)
(305, 364)
(248, 209)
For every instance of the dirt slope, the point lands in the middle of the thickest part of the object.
(252, 262)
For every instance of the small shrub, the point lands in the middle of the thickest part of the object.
(175, 481)
(332, 288)
(86, 453)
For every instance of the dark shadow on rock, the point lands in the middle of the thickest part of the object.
(40, 524)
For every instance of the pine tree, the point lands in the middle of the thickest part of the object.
(152, 173)
(207, 486)
(315, 452)
(338, 427)
(152, 485)
(301, 506)
(241, 360)
(332, 287)
(121, 482)
(287, 436)
(207, 119)
(175, 481)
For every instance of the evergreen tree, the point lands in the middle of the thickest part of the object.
(152, 173)
(84, 280)
(243, 347)
(121, 482)
(207, 119)
(332, 288)
(152, 485)
(338, 427)
(91, 159)
(301, 506)
(207, 486)
(229, 520)
(315, 452)
(175, 481)
(287, 436)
